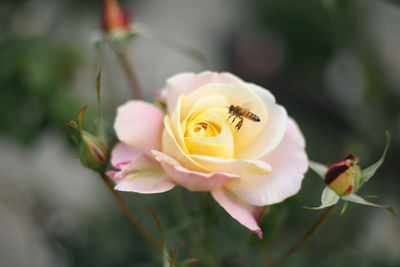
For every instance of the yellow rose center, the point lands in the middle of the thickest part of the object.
(200, 123)
(205, 133)
(201, 126)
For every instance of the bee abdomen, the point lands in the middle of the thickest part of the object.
(252, 116)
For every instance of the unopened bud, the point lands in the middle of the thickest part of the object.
(340, 175)
(93, 152)
(115, 19)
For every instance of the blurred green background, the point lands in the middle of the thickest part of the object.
(334, 65)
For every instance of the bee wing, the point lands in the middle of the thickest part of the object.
(247, 105)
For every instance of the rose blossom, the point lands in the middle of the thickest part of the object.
(195, 145)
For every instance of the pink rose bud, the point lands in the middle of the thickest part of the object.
(115, 19)
(340, 175)
(93, 152)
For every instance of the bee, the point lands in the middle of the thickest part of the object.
(240, 112)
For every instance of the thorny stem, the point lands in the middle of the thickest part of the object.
(132, 218)
(302, 241)
(130, 74)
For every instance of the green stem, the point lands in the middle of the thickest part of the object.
(267, 259)
(303, 240)
(130, 74)
(132, 218)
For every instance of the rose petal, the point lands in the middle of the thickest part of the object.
(139, 124)
(240, 211)
(185, 83)
(111, 174)
(146, 182)
(138, 163)
(141, 174)
(175, 124)
(192, 180)
(123, 154)
(211, 111)
(236, 166)
(289, 163)
(274, 130)
(171, 147)
(220, 145)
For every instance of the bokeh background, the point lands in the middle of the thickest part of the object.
(334, 65)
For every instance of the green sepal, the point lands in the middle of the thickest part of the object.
(80, 116)
(72, 124)
(328, 198)
(319, 168)
(359, 200)
(357, 178)
(161, 106)
(367, 173)
(344, 208)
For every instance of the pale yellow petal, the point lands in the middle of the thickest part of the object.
(236, 166)
(274, 130)
(176, 124)
(171, 147)
(220, 145)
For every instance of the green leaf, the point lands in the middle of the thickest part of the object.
(359, 200)
(319, 168)
(345, 205)
(328, 198)
(370, 171)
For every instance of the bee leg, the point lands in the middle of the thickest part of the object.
(239, 124)
(234, 118)
(229, 118)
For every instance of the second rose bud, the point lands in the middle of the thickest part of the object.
(341, 176)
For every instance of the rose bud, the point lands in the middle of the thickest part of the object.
(115, 19)
(93, 152)
(340, 175)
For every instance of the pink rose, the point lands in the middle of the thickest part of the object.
(195, 145)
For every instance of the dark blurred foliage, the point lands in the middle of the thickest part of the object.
(35, 84)
(36, 76)
(288, 49)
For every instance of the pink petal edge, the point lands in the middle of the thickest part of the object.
(111, 174)
(123, 154)
(193, 180)
(146, 185)
(241, 212)
(139, 125)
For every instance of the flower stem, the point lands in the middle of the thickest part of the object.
(303, 240)
(132, 218)
(130, 74)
